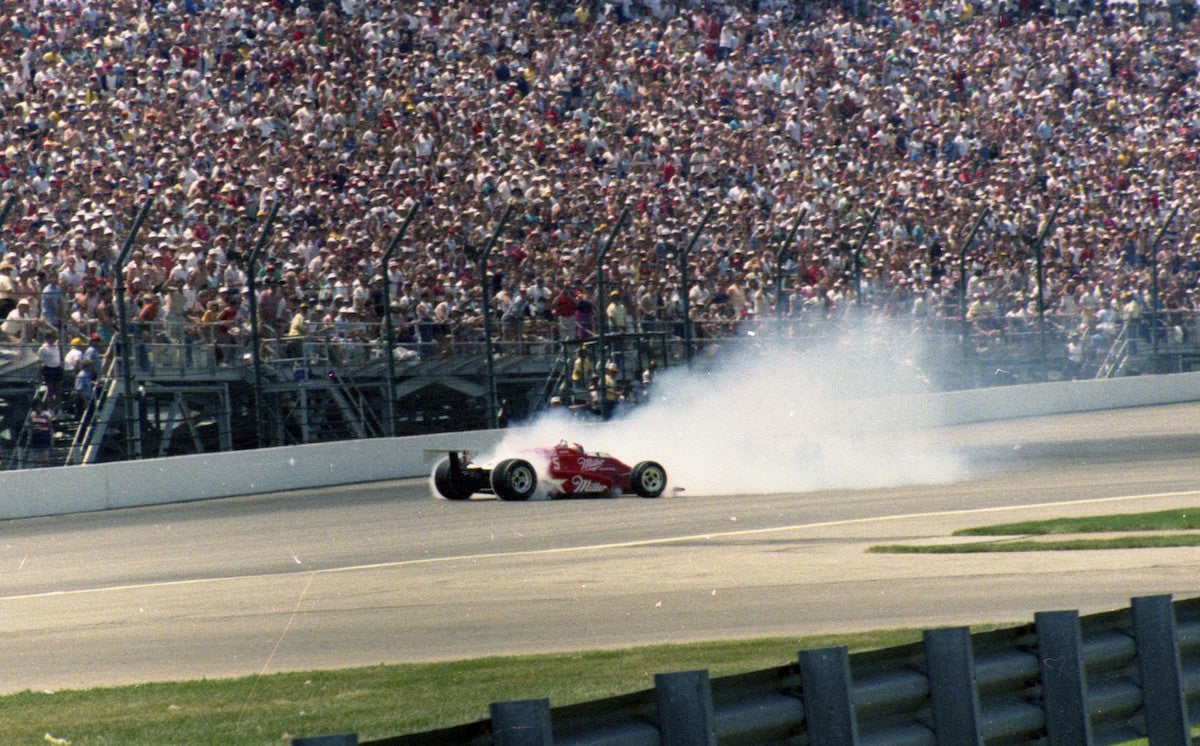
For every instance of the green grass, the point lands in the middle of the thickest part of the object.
(1163, 520)
(1118, 542)
(378, 701)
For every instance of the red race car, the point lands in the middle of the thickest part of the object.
(567, 470)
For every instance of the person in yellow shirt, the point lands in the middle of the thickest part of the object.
(581, 372)
(297, 331)
(618, 317)
(612, 389)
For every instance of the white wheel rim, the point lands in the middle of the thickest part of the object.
(652, 479)
(520, 479)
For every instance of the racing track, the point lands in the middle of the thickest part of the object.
(386, 573)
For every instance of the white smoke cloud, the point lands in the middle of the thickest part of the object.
(773, 419)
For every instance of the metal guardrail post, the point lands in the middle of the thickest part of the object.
(787, 244)
(388, 324)
(601, 312)
(1163, 704)
(133, 431)
(251, 285)
(685, 288)
(953, 691)
(521, 723)
(685, 708)
(1064, 681)
(481, 260)
(827, 689)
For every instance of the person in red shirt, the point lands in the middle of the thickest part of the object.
(564, 310)
(225, 332)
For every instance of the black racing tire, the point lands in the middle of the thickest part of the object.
(449, 485)
(514, 479)
(648, 479)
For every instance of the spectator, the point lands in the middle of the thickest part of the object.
(18, 323)
(41, 429)
(348, 116)
(50, 371)
(85, 387)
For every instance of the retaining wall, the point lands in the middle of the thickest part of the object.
(74, 489)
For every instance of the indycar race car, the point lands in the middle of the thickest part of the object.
(568, 470)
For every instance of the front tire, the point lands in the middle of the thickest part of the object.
(514, 479)
(450, 485)
(648, 479)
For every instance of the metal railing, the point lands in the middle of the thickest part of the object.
(344, 365)
(1101, 679)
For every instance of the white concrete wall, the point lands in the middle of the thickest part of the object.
(74, 489)
(1062, 397)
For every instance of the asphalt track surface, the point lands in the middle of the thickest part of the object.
(385, 573)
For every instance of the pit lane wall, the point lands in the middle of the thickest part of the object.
(76, 489)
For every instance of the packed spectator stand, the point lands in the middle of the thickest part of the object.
(920, 114)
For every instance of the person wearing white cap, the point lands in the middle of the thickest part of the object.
(17, 323)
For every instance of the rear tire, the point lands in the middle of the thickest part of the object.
(514, 479)
(648, 479)
(450, 485)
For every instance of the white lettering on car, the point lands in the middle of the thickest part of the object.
(583, 484)
(588, 463)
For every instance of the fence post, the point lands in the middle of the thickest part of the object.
(827, 691)
(1163, 705)
(856, 254)
(1154, 302)
(602, 313)
(521, 723)
(1036, 244)
(685, 709)
(783, 247)
(962, 280)
(950, 665)
(252, 286)
(133, 428)
(8, 205)
(481, 258)
(1064, 682)
(388, 323)
(684, 285)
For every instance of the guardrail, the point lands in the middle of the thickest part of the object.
(1101, 679)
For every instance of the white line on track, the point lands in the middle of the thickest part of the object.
(595, 547)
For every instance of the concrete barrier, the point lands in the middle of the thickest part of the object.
(76, 489)
(125, 484)
(1062, 397)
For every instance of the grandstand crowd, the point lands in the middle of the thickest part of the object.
(348, 113)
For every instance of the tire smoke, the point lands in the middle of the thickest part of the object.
(773, 419)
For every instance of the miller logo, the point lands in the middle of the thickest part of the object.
(583, 484)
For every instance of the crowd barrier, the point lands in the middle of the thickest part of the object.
(74, 489)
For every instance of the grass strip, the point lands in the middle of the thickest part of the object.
(379, 701)
(1180, 519)
(1119, 542)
